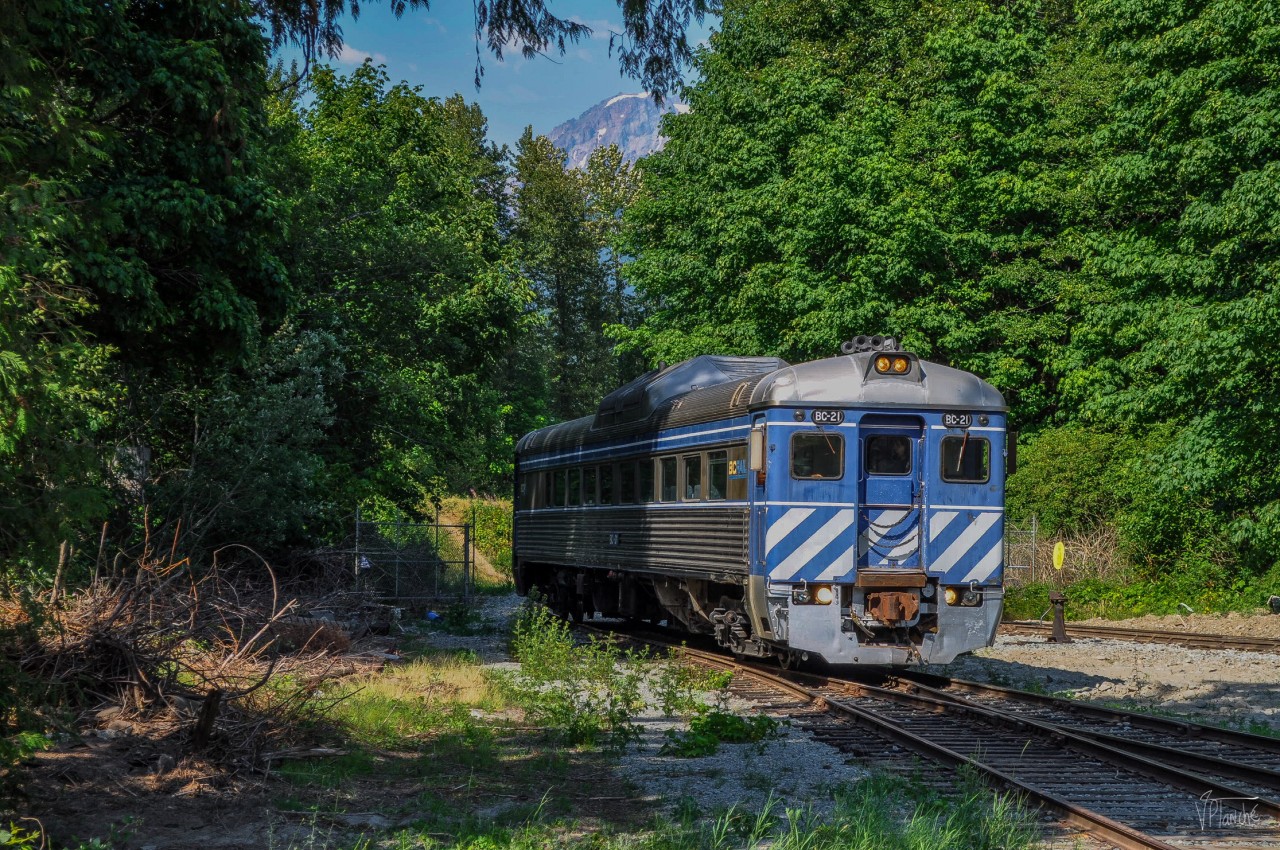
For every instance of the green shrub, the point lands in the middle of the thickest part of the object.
(584, 693)
(708, 729)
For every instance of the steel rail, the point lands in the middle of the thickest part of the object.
(1098, 825)
(1260, 775)
(1192, 640)
(1095, 823)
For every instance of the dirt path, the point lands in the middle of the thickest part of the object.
(483, 567)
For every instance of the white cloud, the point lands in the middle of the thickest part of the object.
(601, 29)
(437, 23)
(354, 56)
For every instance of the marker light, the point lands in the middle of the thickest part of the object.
(823, 594)
(895, 365)
(950, 595)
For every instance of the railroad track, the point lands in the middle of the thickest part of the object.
(1123, 787)
(1193, 640)
(1252, 761)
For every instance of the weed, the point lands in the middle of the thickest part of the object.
(584, 693)
(713, 727)
(678, 687)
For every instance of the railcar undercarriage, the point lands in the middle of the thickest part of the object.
(699, 606)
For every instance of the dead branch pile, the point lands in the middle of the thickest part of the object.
(218, 655)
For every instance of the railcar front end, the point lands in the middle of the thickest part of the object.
(849, 509)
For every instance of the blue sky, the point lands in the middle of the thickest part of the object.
(435, 48)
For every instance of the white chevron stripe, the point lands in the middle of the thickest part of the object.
(987, 565)
(889, 525)
(964, 543)
(939, 523)
(909, 546)
(820, 539)
(841, 566)
(785, 525)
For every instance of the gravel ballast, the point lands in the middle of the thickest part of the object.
(1239, 688)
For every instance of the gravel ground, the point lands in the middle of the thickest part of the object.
(794, 768)
(1242, 688)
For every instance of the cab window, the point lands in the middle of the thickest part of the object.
(966, 460)
(817, 455)
(888, 454)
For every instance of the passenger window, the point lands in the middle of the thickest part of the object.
(589, 485)
(669, 486)
(646, 481)
(525, 499)
(817, 455)
(575, 486)
(737, 472)
(717, 475)
(557, 494)
(888, 454)
(693, 478)
(606, 485)
(966, 459)
(627, 482)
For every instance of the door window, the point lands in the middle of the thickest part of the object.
(888, 454)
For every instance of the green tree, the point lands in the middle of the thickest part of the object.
(1183, 302)
(139, 239)
(870, 168)
(563, 225)
(397, 246)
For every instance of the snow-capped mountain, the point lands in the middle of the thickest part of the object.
(630, 121)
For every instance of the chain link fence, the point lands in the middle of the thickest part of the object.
(414, 565)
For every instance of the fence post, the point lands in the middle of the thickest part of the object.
(356, 566)
(466, 562)
(1035, 529)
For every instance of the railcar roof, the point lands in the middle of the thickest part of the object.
(706, 389)
(851, 380)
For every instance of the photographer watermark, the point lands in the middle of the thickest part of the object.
(1227, 812)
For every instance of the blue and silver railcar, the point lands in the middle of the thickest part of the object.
(850, 508)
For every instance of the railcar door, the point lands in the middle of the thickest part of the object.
(890, 491)
(809, 528)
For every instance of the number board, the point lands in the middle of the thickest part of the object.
(957, 420)
(826, 416)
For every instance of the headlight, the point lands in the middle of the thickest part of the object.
(966, 596)
(883, 364)
(901, 365)
(813, 594)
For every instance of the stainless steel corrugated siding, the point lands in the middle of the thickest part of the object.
(696, 541)
(692, 408)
